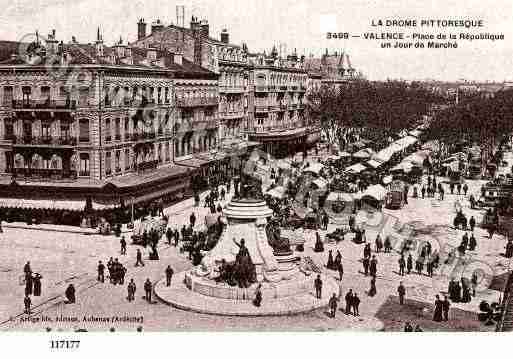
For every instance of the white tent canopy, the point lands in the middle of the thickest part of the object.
(339, 196)
(356, 168)
(276, 192)
(314, 167)
(376, 191)
(374, 163)
(321, 183)
(364, 153)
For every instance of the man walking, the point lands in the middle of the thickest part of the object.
(101, 272)
(409, 263)
(122, 242)
(373, 268)
(349, 301)
(366, 264)
(402, 292)
(333, 305)
(318, 287)
(27, 302)
(139, 258)
(446, 305)
(147, 290)
(131, 290)
(169, 275)
(402, 264)
(356, 305)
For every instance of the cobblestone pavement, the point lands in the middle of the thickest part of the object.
(64, 258)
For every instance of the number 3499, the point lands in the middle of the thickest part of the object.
(337, 35)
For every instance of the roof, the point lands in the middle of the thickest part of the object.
(340, 196)
(376, 191)
(356, 168)
(314, 167)
(86, 54)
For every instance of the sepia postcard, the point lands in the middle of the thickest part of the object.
(277, 166)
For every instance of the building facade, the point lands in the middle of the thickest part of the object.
(227, 60)
(102, 123)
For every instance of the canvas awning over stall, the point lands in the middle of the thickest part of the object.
(378, 192)
(356, 168)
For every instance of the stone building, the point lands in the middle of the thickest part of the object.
(278, 91)
(106, 125)
(230, 61)
(335, 69)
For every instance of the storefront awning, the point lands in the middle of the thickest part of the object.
(66, 205)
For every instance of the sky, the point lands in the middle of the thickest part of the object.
(300, 24)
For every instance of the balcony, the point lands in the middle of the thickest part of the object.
(292, 106)
(66, 141)
(232, 89)
(44, 174)
(231, 115)
(261, 109)
(44, 104)
(292, 88)
(282, 88)
(143, 136)
(148, 165)
(261, 89)
(195, 102)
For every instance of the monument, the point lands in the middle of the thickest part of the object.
(249, 255)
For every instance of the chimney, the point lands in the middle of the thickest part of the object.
(194, 23)
(204, 28)
(141, 29)
(73, 40)
(225, 37)
(52, 43)
(120, 48)
(156, 26)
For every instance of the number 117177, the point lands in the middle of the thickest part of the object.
(64, 344)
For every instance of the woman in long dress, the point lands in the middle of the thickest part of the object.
(372, 290)
(437, 315)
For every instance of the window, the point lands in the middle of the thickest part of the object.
(108, 164)
(117, 161)
(65, 129)
(83, 125)
(45, 130)
(117, 129)
(126, 127)
(166, 95)
(107, 130)
(8, 129)
(9, 161)
(83, 96)
(84, 164)
(127, 159)
(45, 94)
(8, 95)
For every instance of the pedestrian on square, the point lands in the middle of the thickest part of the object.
(169, 235)
(258, 296)
(27, 303)
(379, 243)
(366, 264)
(472, 223)
(70, 294)
(423, 191)
(101, 272)
(373, 268)
(349, 301)
(401, 290)
(437, 315)
(402, 264)
(192, 219)
(458, 188)
(318, 287)
(131, 290)
(465, 189)
(409, 263)
(445, 308)
(122, 243)
(37, 284)
(408, 328)
(333, 302)
(147, 290)
(169, 275)
(372, 291)
(388, 244)
(139, 258)
(356, 305)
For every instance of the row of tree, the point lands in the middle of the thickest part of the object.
(379, 109)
